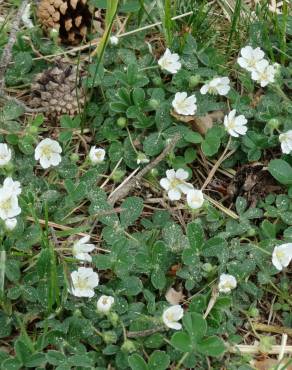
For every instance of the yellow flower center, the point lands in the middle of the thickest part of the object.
(46, 150)
(81, 284)
(212, 90)
(231, 124)
(104, 301)
(6, 204)
(170, 316)
(175, 182)
(196, 199)
(228, 285)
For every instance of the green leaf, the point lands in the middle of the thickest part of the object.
(195, 325)
(195, 234)
(215, 247)
(136, 362)
(211, 144)
(212, 346)
(12, 111)
(55, 358)
(153, 144)
(159, 360)
(36, 359)
(158, 279)
(281, 171)
(132, 208)
(138, 96)
(181, 341)
(269, 229)
(22, 351)
(80, 360)
(131, 286)
(11, 364)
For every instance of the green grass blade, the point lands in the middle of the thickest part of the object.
(2, 272)
(234, 23)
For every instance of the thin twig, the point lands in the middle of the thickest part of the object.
(145, 333)
(124, 191)
(272, 328)
(218, 164)
(62, 227)
(274, 350)
(283, 346)
(213, 299)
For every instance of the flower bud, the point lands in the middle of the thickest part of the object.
(274, 123)
(251, 232)
(109, 337)
(157, 81)
(54, 34)
(122, 122)
(118, 176)
(194, 81)
(114, 40)
(33, 130)
(142, 158)
(253, 312)
(207, 267)
(74, 157)
(154, 103)
(10, 224)
(113, 317)
(154, 172)
(128, 346)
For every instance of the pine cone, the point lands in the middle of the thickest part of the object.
(58, 89)
(72, 18)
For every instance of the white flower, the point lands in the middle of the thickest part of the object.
(9, 207)
(13, 186)
(114, 40)
(195, 198)
(183, 104)
(286, 142)
(26, 17)
(81, 249)
(105, 303)
(10, 224)
(235, 126)
(172, 315)
(96, 155)
(250, 57)
(48, 153)
(84, 280)
(219, 85)
(226, 283)
(170, 62)
(142, 158)
(5, 154)
(282, 255)
(174, 183)
(264, 73)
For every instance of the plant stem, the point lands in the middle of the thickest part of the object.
(181, 361)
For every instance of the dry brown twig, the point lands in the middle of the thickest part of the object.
(122, 192)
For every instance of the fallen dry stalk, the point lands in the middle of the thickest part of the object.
(65, 228)
(122, 192)
(274, 350)
(272, 328)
